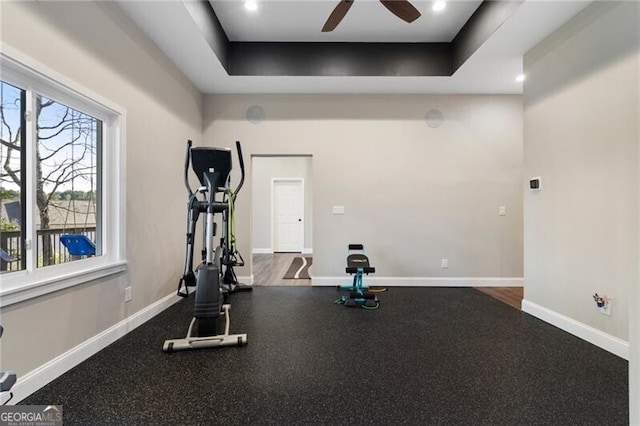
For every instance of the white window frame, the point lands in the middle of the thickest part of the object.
(27, 74)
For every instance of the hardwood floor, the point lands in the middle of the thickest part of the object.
(512, 296)
(268, 269)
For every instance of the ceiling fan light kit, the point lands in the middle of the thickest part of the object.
(401, 8)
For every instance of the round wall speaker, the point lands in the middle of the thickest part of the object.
(255, 114)
(434, 118)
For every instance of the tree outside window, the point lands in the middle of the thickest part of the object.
(67, 177)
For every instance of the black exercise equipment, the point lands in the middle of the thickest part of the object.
(358, 265)
(212, 166)
(203, 159)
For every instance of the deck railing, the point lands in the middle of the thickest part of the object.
(50, 251)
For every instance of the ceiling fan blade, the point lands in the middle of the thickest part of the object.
(336, 16)
(402, 9)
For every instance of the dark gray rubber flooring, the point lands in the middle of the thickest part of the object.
(427, 356)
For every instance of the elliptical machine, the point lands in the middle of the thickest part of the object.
(212, 166)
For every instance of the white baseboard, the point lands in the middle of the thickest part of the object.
(592, 335)
(422, 281)
(262, 251)
(53, 369)
(246, 280)
(307, 251)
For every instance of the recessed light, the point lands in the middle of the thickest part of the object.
(251, 5)
(521, 78)
(439, 5)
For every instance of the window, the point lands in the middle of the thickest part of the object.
(67, 159)
(12, 194)
(61, 195)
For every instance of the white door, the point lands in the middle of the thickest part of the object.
(288, 215)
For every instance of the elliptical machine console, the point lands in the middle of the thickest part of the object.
(212, 166)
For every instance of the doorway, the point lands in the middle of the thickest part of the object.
(282, 194)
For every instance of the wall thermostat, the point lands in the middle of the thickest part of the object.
(534, 183)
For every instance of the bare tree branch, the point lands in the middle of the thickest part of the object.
(66, 114)
(80, 123)
(62, 168)
(15, 177)
(4, 122)
(57, 183)
(9, 144)
(16, 104)
(40, 105)
(66, 176)
(54, 152)
(61, 130)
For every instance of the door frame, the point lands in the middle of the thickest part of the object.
(273, 218)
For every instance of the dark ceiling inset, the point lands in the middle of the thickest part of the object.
(351, 58)
(484, 22)
(339, 59)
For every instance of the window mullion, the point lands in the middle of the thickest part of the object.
(30, 187)
(23, 179)
(101, 236)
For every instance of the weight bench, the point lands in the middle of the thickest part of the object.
(358, 265)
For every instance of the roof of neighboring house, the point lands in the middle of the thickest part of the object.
(72, 214)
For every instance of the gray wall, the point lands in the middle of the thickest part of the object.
(412, 194)
(264, 169)
(581, 121)
(580, 132)
(97, 46)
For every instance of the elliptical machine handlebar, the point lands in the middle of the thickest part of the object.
(187, 160)
(241, 161)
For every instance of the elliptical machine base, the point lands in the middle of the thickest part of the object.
(191, 342)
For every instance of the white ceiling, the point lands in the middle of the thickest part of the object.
(366, 21)
(491, 69)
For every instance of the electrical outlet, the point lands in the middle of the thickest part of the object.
(603, 304)
(445, 263)
(127, 294)
(502, 211)
(606, 309)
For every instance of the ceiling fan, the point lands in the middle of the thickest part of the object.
(401, 8)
